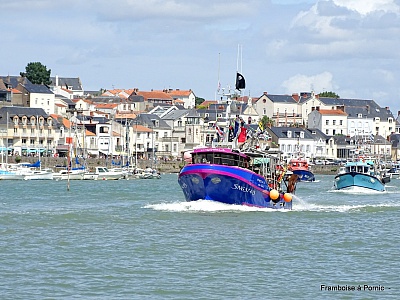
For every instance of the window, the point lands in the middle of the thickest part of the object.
(165, 134)
(341, 122)
(334, 122)
(327, 122)
(327, 131)
(104, 129)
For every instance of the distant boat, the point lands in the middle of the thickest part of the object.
(73, 174)
(360, 174)
(147, 173)
(29, 172)
(300, 167)
(102, 173)
(10, 172)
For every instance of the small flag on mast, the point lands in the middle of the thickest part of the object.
(240, 82)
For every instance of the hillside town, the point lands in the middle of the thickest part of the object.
(164, 124)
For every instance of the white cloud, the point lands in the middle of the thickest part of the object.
(364, 7)
(318, 83)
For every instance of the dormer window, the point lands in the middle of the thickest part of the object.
(33, 121)
(49, 121)
(289, 134)
(359, 116)
(41, 121)
(16, 120)
(302, 134)
(24, 120)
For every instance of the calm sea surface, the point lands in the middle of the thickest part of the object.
(139, 239)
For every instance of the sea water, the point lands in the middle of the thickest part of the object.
(139, 239)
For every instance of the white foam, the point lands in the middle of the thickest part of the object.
(357, 190)
(206, 206)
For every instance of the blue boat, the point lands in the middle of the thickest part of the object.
(360, 174)
(300, 167)
(234, 177)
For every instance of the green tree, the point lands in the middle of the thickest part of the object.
(37, 73)
(199, 101)
(329, 95)
(266, 121)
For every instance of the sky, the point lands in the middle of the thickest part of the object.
(350, 47)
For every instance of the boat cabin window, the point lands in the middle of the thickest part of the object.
(228, 159)
(360, 169)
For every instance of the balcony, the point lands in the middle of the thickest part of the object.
(169, 139)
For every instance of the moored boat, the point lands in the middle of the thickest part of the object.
(73, 174)
(360, 174)
(147, 173)
(103, 173)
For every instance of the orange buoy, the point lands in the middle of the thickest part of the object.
(274, 194)
(287, 197)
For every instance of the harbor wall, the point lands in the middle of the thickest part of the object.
(172, 166)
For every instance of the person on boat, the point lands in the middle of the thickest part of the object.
(242, 135)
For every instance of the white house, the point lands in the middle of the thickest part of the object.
(329, 121)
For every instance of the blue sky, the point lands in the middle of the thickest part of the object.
(350, 47)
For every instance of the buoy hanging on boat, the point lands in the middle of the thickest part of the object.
(274, 194)
(287, 197)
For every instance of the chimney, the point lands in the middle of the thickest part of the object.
(387, 107)
(296, 97)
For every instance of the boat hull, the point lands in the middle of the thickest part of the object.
(350, 180)
(8, 175)
(73, 175)
(226, 184)
(39, 175)
(304, 175)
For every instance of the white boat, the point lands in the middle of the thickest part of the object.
(74, 174)
(147, 173)
(27, 171)
(10, 172)
(102, 173)
(35, 174)
(124, 171)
